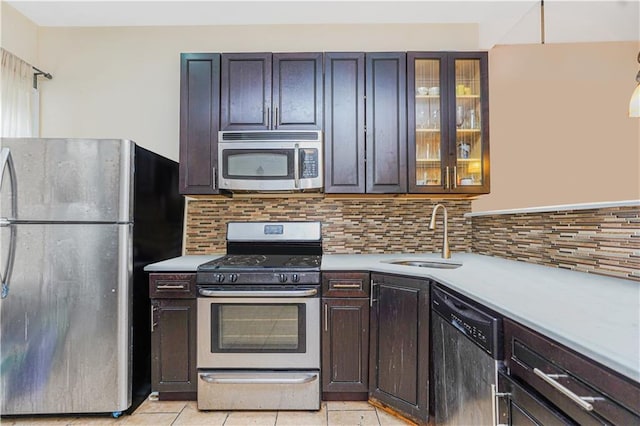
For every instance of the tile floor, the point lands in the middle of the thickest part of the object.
(183, 413)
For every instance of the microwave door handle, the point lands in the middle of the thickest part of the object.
(296, 165)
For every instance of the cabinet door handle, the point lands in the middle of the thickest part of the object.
(326, 317)
(455, 177)
(277, 120)
(268, 118)
(371, 290)
(446, 178)
(296, 165)
(215, 177)
(154, 310)
(550, 379)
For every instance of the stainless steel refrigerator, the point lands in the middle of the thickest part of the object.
(79, 220)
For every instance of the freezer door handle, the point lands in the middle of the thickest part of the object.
(6, 162)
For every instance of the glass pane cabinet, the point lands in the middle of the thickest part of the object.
(448, 122)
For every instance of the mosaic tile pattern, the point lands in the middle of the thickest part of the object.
(602, 241)
(373, 225)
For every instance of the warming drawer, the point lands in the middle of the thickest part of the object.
(258, 390)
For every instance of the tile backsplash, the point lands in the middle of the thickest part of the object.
(604, 241)
(367, 225)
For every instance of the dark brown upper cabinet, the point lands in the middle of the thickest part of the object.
(367, 158)
(199, 122)
(386, 122)
(263, 91)
(448, 120)
(344, 122)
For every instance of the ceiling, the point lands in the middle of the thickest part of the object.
(516, 21)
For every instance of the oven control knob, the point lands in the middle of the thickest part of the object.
(233, 278)
(219, 278)
(295, 278)
(282, 278)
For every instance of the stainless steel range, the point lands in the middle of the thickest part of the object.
(259, 319)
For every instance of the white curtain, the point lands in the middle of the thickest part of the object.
(18, 105)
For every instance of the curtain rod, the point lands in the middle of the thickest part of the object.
(37, 73)
(42, 73)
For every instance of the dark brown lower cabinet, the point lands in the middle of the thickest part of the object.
(345, 351)
(345, 336)
(399, 345)
(173, 336)
(546, 380)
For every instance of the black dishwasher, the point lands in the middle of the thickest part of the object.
(467, 354)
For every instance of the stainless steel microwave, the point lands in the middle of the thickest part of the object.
(270, 160)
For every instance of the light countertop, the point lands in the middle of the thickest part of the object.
(595, 315)
(188, 263)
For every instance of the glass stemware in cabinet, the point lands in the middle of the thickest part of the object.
(459, 116)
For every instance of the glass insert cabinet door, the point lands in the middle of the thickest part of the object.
(448, 122)
(428, 122)
(468, 121)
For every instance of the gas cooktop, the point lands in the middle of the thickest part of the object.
(261, 262)
(267, 253)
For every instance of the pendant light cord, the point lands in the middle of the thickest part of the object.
(541, 21)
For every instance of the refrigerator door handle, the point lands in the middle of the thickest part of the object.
(6, 162)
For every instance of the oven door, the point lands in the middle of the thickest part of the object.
(258, 329)
(276, 166)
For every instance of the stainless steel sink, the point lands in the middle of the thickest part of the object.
(425, 263)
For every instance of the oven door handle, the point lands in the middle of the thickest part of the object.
(258, 293)
(212, 378)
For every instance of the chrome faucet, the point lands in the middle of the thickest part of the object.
(446, 254)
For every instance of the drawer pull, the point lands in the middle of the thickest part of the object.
(346, 285)
(171, 287)
(550, 379)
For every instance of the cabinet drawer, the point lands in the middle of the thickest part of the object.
(557, 372)
(345, 284)
(173, 286)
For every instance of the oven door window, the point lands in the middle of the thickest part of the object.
(258, 328)
(268, 164)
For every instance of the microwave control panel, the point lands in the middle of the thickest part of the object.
(308, 163)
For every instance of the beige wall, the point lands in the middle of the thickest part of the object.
(124, 82)
(559, 131)
(18, 35)
(559, 127)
